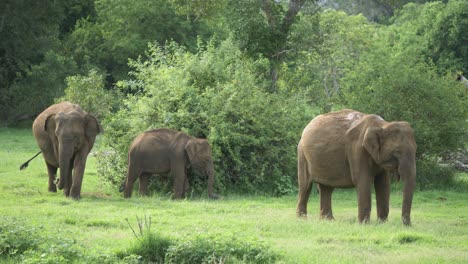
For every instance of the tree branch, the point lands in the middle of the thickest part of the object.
(266, 7)
(293, 8)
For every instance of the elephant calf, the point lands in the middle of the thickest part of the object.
(162, 151)
(350, 149)
(65, 133)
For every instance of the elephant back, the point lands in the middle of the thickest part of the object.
(39, 122)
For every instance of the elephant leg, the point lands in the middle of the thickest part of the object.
(303, 199)
(382, 194)
(364, 201)
(325, 201)
(67, 186)
(180, 175)
(144, 180)
(52, 171)
(79, 165)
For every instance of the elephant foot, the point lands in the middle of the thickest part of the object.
(52, 188)
(301, 214)
(406, 221)
(60, 184)
(364, 220)
(382, 219)
(327, 217)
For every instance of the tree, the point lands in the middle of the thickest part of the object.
(123, 29)
(435, 31)
(263, 27)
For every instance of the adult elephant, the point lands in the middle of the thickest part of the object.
(65, 133)
(350, 149)
(163, 151)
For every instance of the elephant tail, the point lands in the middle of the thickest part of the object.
(25, 165)
(302, 168)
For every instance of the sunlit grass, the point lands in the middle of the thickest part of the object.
(99, 221)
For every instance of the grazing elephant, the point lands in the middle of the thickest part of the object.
(163, 151)
(65, 134)
(350, 149)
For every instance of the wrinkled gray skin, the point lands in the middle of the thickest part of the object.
(163, 151)
(350, 149)
(65, 134)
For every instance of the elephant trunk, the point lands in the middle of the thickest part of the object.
(407, 171)
(211, 173)
(65, 159)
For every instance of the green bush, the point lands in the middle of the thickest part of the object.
(41, 84)
(221, 95)
(220, 249)
(89, 92)
(431, 175)
(401, 88)
(153, 247)
(20, 242)
(16, 238)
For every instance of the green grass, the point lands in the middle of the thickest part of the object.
(98, 222)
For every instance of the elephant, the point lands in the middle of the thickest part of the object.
(65, 134)
(167, 151)
(346, 149)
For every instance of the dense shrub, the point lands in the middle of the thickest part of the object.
(41, 84)
(22, 243)
(220, 249)
(16, 238)
(398, 88)
(89, 92)
(153, 247)
(219, 94)
(430, 175)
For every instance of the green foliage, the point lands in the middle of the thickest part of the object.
(16, 238)
(219, 248)
(434, 30)
(20, 242)
(89, 92)
(430, 175)
(219, 94)
(198, 248)
(403, 88)
(151, 246)
(33, 62)
(316, 67)
(42, 83)
(121, 30)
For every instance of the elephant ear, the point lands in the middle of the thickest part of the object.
(49, 124)
(93, 127)
(191, 148)
(371, 142)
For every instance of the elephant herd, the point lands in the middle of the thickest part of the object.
(340, 149)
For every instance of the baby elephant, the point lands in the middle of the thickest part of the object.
(162, 151)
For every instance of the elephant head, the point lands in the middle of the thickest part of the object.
(199, 154)
(72, 133)
(392, 147)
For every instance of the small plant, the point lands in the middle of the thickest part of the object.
(150, 246)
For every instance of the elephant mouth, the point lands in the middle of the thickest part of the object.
(392, 171)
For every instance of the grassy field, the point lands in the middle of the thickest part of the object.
(99, 222)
